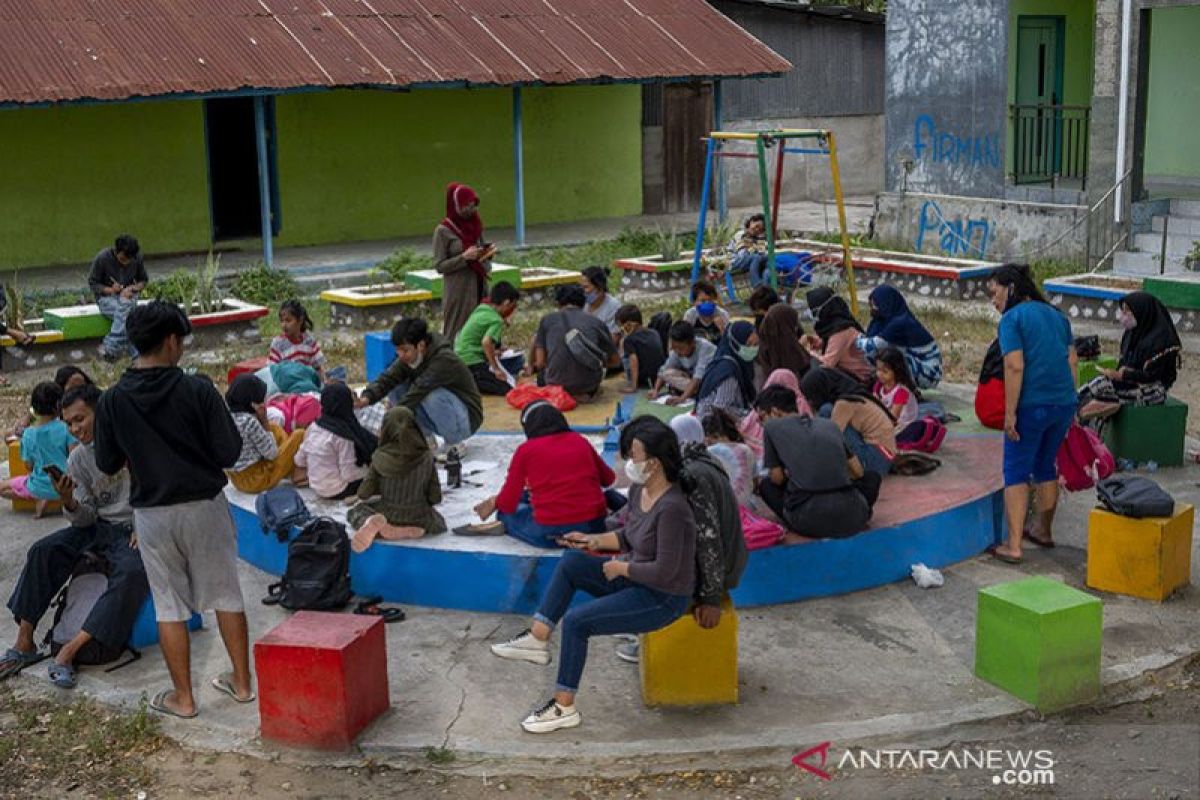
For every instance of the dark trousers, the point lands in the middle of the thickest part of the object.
(487, 382)
(50, 563)
(824, 515)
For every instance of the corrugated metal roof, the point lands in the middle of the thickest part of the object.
(65, 50)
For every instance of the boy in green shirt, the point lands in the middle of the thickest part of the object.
(478, 343)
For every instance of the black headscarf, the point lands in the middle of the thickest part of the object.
(1153, 335)
(727, 363)
(830, 312)
(245, 391)
(337, 417)
(542, 419)
(823, 385)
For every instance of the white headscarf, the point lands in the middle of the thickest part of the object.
(688, 429)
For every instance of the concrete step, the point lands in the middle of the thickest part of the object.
(1129, 263)
(1178, 244)
(1185, 208)
(1180, 225)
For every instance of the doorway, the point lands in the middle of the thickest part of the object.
(1038, 116)
(233, 168)
(687, 119)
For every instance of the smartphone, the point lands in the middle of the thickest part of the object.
(54, 472)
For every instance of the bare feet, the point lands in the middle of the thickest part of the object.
(377, 525)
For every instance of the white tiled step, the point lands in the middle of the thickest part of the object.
(1145, 264)
(1178, 225)
(1185, 208)
(1178, 244)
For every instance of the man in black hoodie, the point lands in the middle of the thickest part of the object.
(176, 436)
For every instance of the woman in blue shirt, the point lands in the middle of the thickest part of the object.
(1039, 402)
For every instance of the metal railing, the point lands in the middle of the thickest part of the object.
(1050, 144)
(1108, 224)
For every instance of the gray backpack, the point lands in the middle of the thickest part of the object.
(1134, 496)
(585, 351)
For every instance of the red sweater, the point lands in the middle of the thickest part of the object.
(565, 477)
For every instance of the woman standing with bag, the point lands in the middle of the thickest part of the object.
(462, 257)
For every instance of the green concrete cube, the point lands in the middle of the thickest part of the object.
(1039, 640)
(1089, 370)
(77, 322)
(503, 272)
(1149, 433)
(428, 279)
(1178, 292)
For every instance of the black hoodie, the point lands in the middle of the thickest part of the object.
(174, 432)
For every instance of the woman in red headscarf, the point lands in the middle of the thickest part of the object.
(462, 256)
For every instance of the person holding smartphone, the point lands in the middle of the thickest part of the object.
(462, 256)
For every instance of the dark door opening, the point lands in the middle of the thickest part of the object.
(687, 119)
(233, 167)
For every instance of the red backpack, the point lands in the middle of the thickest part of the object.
(1083, 460)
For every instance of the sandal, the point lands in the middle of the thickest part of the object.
(374, 609)
(1005, 557)
(64, 676)
(159, 704)
(224, 683)
(1038, 540)
(495, 528)
(15, 660)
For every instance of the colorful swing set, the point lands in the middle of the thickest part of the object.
(764, 141)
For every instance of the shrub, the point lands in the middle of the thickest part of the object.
(264, 286)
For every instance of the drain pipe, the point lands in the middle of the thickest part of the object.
(1123, 105)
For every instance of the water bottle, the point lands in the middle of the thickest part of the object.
(1125, 465)
(1152, 466)
(453, 469)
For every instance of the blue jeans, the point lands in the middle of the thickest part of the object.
(521, 525)
(1042, 430)
(621, 606)
(870, 456)
(441, 412)
(755, 263)
(117, 309)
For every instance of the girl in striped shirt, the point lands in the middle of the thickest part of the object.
(295, 341)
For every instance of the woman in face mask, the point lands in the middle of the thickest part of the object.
(729, 380)
(835, 344)
(646, 587)
(894, 325)
(1149, 364)
(599, 303)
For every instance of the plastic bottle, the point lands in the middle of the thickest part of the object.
(453, 469)
(1152, 466)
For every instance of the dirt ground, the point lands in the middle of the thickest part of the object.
(1148, 749)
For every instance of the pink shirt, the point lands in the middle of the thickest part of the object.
(841, 351)
(329, 460)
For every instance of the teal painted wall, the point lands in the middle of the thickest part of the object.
(72, 178)
(1077, 50)
(374, 165)
(1173, 104)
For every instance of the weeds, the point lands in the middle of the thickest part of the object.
(196, 291)
(264, 286)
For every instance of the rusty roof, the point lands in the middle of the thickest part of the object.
(68, 50)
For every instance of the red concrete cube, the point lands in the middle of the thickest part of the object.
(250, 365)
(322, 678)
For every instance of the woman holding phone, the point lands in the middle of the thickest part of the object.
(463, 258)
(646, 585)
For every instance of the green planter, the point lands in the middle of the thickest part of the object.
(77, 322)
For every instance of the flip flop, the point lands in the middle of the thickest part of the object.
(223, 683)
(481, 529)
(1039, 541)
(64, 676)
(1007, 559)
(389, 614)
(15, 660)
(159, 704)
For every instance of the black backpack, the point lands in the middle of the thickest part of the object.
(280, 509)
(317, 575)
(1134, 496)
(72, 606)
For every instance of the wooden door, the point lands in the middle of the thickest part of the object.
(687, 119)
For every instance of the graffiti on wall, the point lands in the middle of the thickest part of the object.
(961, 236)
(945, 147)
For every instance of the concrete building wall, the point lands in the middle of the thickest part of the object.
(1173, 104)
(74, 177)
(947, 87)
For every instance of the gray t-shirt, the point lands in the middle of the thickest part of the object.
(812, 451)
(97, 496)
(697, 363)
(562, 367)
(606, 312)
(660, 544)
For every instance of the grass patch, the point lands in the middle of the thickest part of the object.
(49, 749)
(1050, 268)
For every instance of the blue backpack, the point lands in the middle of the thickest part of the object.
(280, 509)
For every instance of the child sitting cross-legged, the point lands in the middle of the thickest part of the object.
(401, 488)
(268, 454)
(295, 341)
(45, 445)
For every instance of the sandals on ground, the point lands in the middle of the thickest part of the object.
(15, 660)
(1038, 540)
(371, 608)
(64, 676)
(1005, 557)
(223, 683)
(159, 704)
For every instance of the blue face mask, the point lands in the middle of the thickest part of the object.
(707, 308)
(591, 296)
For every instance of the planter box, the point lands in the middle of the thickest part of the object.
(1180, 292)
(1097, 295)
(541, 277)
(431, 280)
(653, 274)
(237, 321)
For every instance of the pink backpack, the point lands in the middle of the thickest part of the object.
(924, 435)
(1082, 459)
(759, 532)
(299, 410)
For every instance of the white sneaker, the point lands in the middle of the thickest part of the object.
(551, 717)
(630, 651)
(524, 647)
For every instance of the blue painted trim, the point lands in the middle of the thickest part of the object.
(518, 166)
(510, 583)
(806, 151)
(264, 179)
(1075, 290)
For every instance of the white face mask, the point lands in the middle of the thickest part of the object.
(636, 472)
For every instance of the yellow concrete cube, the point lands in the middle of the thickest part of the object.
(686, 665)
(1148, 558)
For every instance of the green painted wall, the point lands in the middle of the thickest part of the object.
(1077, 49)
(1173, 104)
(374, 165)
(71, 178)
